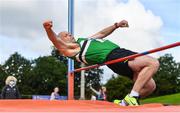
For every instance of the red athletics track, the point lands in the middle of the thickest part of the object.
(78, 106)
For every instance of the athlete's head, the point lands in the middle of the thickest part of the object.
(66, 37)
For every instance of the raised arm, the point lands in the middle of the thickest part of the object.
(97, 93)
(107, 31)
(65, 48)
(58, 43)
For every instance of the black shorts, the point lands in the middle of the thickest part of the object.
(120, 68)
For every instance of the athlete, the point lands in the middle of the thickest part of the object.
(96, 50)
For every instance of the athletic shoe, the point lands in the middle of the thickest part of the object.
(120, 102)
(131, 101)
(117, 101)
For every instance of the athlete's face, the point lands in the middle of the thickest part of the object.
(67, 37)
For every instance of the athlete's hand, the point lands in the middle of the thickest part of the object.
(48, 24)
(122, 23)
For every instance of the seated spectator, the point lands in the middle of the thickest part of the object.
(55, 94)
(10, 90)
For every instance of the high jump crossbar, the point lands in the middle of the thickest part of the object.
(129, 57)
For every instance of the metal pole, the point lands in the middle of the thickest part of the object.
(129, 57)
(70, 62)
(82, 92)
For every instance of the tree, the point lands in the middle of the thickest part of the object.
(3, 76)
(93, 77)
(167, 77)
(118, 87)
(17, 66)
(46, 74)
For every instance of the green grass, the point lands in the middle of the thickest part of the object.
(168, 99)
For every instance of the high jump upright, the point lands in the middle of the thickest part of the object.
(70, 61)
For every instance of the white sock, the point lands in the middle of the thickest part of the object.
(134, 94)
(123, 103)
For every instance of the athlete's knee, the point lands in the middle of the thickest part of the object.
(151, 86)
(156, 63)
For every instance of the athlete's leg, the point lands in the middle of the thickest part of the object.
(146, 67)
(149, 87)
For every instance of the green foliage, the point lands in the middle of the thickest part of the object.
(167, 76)
(93, 77)
(26, 96)
(19, 67)
(167, 99)
(39, 76)
(118, 87)
(3, 76)
(46, 74)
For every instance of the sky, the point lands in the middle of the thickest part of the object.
(152, 23)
